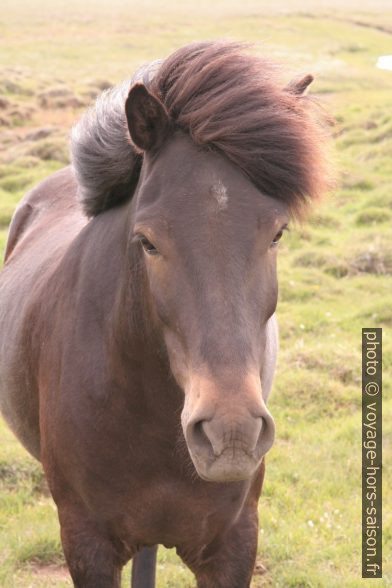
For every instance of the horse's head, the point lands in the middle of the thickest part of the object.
(209, 240)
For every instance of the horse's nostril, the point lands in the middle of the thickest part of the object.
(262, 432)
(200, 437)
(210, 437)
(266, 435)
(258, 432)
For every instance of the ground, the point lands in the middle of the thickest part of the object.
(334, 270)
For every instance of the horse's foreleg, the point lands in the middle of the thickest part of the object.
(143, 568)
(91, 557)
(229, 562)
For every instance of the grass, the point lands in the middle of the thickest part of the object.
(335, 270)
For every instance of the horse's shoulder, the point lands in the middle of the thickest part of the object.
(57, 192)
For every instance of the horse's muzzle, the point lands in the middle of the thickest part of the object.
(228, 442)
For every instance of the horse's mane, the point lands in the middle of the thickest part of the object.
(223, 98)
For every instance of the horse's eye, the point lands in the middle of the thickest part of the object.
(278, 236)
(148, 246)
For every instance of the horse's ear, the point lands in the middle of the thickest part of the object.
(299, 85)
(148, 121)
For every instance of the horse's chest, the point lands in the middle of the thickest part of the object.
(173, 513)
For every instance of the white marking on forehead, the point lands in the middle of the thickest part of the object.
(219, 191)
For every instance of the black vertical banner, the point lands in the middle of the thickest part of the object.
(372, 453)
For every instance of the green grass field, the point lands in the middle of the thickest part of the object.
(335, 270)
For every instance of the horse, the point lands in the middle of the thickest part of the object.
(138, 336)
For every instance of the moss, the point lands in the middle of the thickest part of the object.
(16, 474)
(6, 212)
(51, 150)
(16, 182)
(372, 259)
(372, 216)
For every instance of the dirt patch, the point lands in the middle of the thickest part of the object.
(4, 121)
(4, 103)
(50, 572)
(259, 569)
(20, 114)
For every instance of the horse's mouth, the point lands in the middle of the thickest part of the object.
(232, 465)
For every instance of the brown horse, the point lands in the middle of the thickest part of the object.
(137, 330)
